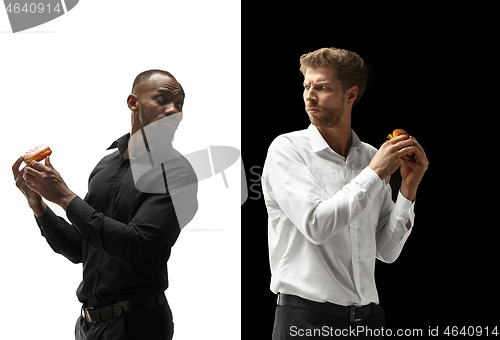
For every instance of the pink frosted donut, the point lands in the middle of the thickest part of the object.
(37, 154)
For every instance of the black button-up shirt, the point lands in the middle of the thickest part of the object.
(122, 236)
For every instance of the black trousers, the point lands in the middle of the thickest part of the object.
(301, 324)
(152, 324)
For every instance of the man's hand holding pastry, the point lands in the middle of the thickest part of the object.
(413, 171)
(401, 151)
(46, 181)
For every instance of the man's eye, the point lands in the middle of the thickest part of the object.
(324, 87)
(161, 99)
(306, 87)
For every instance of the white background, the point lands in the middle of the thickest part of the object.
(65, 84)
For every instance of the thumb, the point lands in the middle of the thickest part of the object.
(410, 164)
(47, 162)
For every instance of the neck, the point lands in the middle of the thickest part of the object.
(139, 143)
(337, 137)
(138, 140)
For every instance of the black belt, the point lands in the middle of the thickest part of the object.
(353, 313)
(94, 315)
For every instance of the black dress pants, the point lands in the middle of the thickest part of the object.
(151, 324)
(301, 324)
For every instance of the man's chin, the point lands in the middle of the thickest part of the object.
(162, 140)
(315, 120)
(327, 122)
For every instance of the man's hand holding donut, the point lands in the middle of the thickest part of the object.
(46, 181)
(413, 171)
(388, 159)
(34, 199)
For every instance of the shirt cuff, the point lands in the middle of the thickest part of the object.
(48, 218)
(78, 211)
(368, 180)
(404, 208)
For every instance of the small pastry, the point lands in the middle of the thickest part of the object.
(400, 132)
(37, 154)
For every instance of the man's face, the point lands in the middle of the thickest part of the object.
(323, 96)
(162, 97)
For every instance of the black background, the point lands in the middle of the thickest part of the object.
(429, 74)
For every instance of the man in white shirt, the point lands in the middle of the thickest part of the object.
(330, 207)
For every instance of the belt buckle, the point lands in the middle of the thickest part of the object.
(352, 314)
(87, 315)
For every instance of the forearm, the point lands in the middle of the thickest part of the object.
(66, 197)
(62, 237)
(129, 242)
(319, 217)
(38, 208)
(394, 229)
(409, 194)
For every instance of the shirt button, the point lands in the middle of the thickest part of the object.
(353, 227)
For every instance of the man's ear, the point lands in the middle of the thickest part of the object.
(132, 102)
(352, 94)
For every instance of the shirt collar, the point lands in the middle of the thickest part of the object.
(318, 143)
(122, 145)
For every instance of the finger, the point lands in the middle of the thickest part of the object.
(15, 167)
(412, 164)
(395, 140)
(398, 139)
(417, 144)
(406, 150)
(32, 186)
(40, 167)
(30, 171)
(20, 182)
(416, 166)
(422, 151)
(404, 143)
(420, 159)
(48, 163)
(28, 177)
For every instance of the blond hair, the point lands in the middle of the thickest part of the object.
(349, 68)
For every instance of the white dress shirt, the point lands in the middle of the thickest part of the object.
(329, 218)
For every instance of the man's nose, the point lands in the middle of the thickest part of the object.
(171, 109)
(310, 95)
(174, 113)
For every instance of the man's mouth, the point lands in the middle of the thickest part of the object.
(170, 126)
(312, 111)
(170, 121)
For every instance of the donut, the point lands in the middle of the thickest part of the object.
(400, 132)
(37, 154)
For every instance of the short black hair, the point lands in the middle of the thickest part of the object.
(144, 77)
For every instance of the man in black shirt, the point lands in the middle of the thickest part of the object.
(123, 232)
